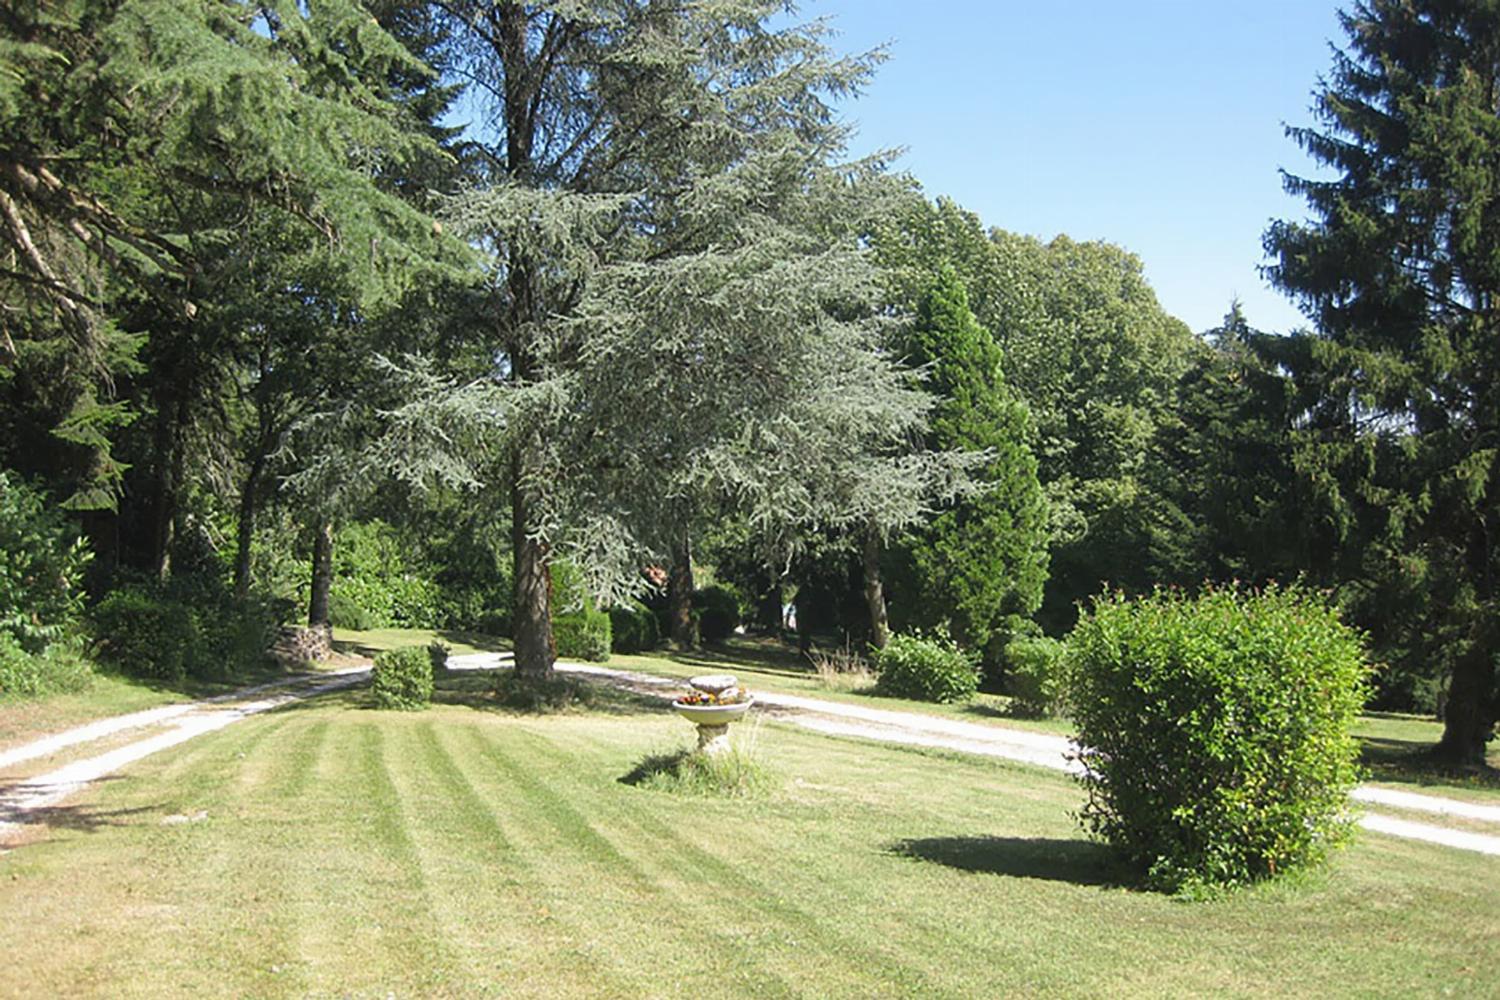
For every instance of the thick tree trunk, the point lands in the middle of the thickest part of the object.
(880, 629)
(1469, 718)
(680, 596)
(322, 575)
(245, 530)
(531, 623)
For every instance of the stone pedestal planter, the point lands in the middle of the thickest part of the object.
(712, 718)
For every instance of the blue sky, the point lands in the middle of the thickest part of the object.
(1155, 124)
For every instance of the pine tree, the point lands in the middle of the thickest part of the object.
(1401, 275)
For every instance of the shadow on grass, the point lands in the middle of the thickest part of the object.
(1412, 762)
(1080, 862)
(502, 691)
(654, 766)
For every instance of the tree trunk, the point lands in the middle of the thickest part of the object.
(680, 596)
(531, 623)
(245, 530)
(163, 494)
(1469, 718)
(322, 575)
(880, 630)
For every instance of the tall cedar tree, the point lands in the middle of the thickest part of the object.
(640, 140)
(1401, 272)
(981, 563)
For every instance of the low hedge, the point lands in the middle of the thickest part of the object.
(402, 679)
(633, 629)
(925, 668)
(582, 635)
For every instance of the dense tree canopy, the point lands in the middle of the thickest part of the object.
(1400, 271)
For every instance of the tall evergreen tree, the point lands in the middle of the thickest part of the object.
(623, 132)
(979, 566)
(1401, 274)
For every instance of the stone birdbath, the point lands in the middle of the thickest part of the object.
(715, 702)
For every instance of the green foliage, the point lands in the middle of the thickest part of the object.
(42, 560)
(345, 612)
(717, 609)
(1093, 355)
(372, 574)
(437, 653)
(582, 635)
(982, 561)
(1400, 386)
(146, 635)
(1034, 678)
(402, 679)
(925, 668)
(1215, 731)
(58, 670)
(633, 628)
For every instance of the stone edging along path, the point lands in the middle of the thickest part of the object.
(27, 800)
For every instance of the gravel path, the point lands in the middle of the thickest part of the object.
(26, 801)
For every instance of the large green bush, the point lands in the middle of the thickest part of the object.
(372, 573)
(633, 628)
(1215, 731)
(718, 610)
(402, 679)
(41, 567)
(925, 668)
(59, 670)
(1034, 678)
(146, 635)
(582, 635)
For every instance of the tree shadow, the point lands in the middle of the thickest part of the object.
(1080, 862)
(653, 765)
(503, 692)
(1413, 762)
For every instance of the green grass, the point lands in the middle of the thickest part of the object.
(467, 851)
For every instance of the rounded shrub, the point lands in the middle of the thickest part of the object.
(1034, 679)
(582, 635)
(146, 636)
(633, 628)
(718, 611)
(925, 668)
(1215, 731)
(402, 679)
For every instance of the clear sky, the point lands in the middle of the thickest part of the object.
(1154, 124)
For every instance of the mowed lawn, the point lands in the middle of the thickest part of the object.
(465, 851)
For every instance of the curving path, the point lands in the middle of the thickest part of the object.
(26, 800)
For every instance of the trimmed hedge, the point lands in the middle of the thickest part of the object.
(147, 636)
(718, 612)
(925, 668)
(1215, 731)
(1035, 678)
(633, 629)
(402, 679)
(582, 635)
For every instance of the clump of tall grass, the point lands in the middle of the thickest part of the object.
(842, 669)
